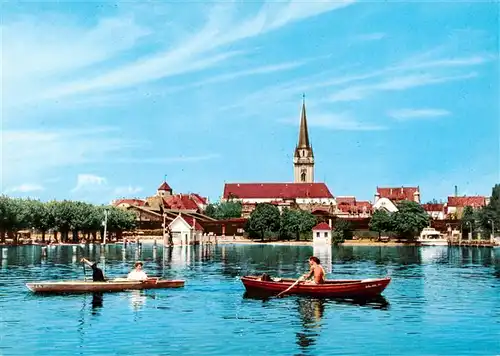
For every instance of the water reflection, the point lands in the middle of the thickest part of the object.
(97, 299)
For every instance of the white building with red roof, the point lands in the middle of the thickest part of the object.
(185, 230)
(302, 193)
(387, 198)
(436, 211)
(322, 234)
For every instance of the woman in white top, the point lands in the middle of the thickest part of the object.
(137, 274)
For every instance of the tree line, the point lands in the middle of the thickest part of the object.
(60, 217)
(484, 219)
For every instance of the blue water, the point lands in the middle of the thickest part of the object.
(441, 301)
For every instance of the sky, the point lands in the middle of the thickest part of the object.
(103, 100)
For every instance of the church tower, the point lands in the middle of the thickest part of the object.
(303, 159)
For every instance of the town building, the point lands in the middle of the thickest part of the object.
(456, 205)
(322, 233)
(184, 230)
(436, 211)
(348, 206)
(387, 198)
(302, 193)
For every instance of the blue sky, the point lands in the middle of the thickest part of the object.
(102, 100)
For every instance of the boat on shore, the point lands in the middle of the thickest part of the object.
(355, 288)
(431, 237)
(114, 285)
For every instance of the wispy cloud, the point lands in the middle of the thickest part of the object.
(89, 182)
(396, 83)
(336, 121)
(412, 114)
(29, 154)
(69, 54)
(25, 188)
(167, 160)
(370, 36)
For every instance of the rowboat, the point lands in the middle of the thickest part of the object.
(114, 285)
(359, 288)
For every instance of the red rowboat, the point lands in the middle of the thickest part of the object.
(360, 288)
(115, 285)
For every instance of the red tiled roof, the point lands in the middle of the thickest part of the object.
(135, 202)
(190, 221)
(276, 190)
(364, 203)
(180, 202)
(201, 199)
(322, 226)
(433, 207)
(473, 201)
(345, 200)
(398, 193)
(164, 186)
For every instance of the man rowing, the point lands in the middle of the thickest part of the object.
(97, 275)
(316, 271)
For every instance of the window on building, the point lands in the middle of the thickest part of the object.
(326, 234)
(303, 177)
(317, 234)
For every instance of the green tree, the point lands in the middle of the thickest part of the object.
(409, 220)
(265, 218)
(41, 216)
(344, 228)
(13, 217)
(489, 216)
(468, 221)
(224, 210)
(380, 222)
(295, 222)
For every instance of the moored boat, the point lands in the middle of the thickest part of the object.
(362, 288)
(114, 285)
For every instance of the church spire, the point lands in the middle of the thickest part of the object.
(303, 133)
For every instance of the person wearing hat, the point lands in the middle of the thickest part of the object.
(137, 274)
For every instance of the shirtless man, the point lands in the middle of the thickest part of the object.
(316, 270)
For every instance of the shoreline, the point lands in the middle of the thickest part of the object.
(149, 240)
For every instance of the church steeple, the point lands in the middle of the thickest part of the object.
(303, 132)
(303, 159)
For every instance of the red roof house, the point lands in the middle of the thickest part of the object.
(473, 201)
(285, 191)
(397, 194)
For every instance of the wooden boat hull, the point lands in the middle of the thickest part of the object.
(117, 285)
(365, 288)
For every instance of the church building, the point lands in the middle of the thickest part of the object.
(302, 193)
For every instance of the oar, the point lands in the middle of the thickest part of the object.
(293, 285)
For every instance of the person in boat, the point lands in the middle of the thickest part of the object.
(97, 275)
(316, 272)
(137, 274)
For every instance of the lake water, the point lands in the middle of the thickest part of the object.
(441, 301)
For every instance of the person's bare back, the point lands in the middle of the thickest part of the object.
(316, 270)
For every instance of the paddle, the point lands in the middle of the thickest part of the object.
(301, 278)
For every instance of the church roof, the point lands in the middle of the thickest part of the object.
(164, 186)
(303, 132)
(276, 190)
